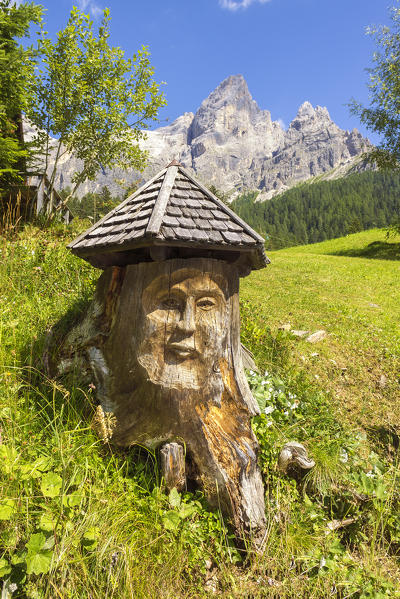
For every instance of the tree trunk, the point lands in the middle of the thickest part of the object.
(163, 342)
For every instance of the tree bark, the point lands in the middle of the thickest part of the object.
(163, 342)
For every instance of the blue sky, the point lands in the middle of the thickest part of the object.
(288, 51)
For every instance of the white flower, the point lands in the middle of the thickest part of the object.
(269, 423)
(269, 410)
(370, 474)
(286, 413)
(344, 456)
(322, 562)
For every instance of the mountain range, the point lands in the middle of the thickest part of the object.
(232, 143)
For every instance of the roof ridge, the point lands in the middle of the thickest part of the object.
(223, 206)
(156, 218)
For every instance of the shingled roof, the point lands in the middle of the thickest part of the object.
(176, 212)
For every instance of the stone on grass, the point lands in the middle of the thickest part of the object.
(300, 333)
(382, 381)
(317, 336)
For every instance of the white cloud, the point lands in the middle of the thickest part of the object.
(91, 7)
(234, 5)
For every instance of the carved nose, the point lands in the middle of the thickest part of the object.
(187, 323)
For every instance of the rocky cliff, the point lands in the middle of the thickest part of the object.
(233, 144)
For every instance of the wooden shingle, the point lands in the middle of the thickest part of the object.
(172, 210)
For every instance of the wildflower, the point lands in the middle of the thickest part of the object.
(286, 413)
(344, 456)
(269, 423)
(269, 410)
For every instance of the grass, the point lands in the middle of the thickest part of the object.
(79, 518)
(337, 287)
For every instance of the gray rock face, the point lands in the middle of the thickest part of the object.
(231, 143)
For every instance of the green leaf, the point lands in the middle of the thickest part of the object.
(89, 539)
(8, 457)
(174, 498)
(36, 542)
(72, 500)
(51, 484)
(7, 507)
(5, 567)
(186, 510)
(42, 464)
(171, 520)
(47, 522)
(380, 491)
(39, 555)
(39, 563)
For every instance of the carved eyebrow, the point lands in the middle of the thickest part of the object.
(215, 293)
(181, 293)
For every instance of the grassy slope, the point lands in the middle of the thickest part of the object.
(79, 519)
(350, 287)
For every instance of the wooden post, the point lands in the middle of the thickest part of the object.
(40, 196)
(173, 466)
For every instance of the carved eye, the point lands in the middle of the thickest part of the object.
(206, 303)
(169, 303)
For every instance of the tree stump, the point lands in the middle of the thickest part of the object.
(163, 342)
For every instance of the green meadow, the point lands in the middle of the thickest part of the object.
(80, 518)
(349, 287)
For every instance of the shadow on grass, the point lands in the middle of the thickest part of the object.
(65, 401)
(41, 355)
(378, 250)
(386, 440)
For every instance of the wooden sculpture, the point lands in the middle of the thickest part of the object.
(162, 339)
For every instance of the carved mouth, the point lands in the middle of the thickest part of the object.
(182, 350)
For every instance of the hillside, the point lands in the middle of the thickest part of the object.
(319, 210)
(79, 518)
(348, 287)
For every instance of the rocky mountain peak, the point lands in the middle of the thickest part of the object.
(232, 89)
(306, 110)
(307, 116)
(228, 108)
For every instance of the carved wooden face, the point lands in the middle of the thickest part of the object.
(185, 327)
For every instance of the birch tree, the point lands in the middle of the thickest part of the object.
(94, 100)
